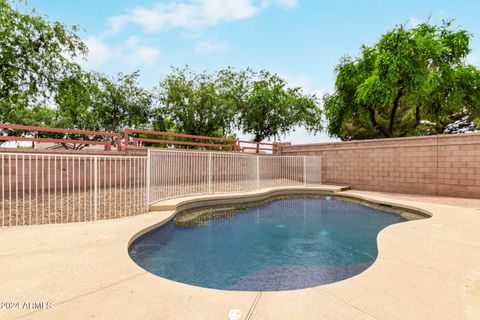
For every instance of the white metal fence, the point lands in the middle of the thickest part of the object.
(46, 188)
(180, 173)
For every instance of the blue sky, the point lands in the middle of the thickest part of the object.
(302, 40)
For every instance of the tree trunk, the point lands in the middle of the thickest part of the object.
(418, 119)
(393, 113)
(373, 119)
(258, 138)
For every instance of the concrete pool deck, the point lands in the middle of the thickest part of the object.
(426, 269)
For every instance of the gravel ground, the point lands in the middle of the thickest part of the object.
(79, 205)
(61, 207)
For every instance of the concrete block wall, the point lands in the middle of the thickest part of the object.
(444, 165)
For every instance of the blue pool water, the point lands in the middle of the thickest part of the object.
(283, 245)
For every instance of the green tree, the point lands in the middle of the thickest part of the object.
(123, 103)
(77, 98)
(215, 104)
(35, 54)
(194, 103)
(412, 82)
(271, 108)
(233, 89)
(91, 101)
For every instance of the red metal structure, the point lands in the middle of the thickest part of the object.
(107, 144)
(226, 143)
(229, 144)
(258, 146)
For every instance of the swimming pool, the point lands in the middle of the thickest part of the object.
(282, 245)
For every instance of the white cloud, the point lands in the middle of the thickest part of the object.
(98, 53)
(209, 47)
(142, 55)
(135, 54)
(289, 4)
(130, 52)
(413, 22)
(305, 82)
(132, 41)
(474, 58)
(192, 14)
(298, 80)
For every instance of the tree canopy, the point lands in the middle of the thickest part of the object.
(271, 108)
(194, 103)
(412, 82)
(95, 102)
(35, 55)
(259, 103)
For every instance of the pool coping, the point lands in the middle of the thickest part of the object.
(426, 269)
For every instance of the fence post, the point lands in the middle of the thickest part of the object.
(305, 170)
(147, 180)
(95, 187)
(258, 172)
(209, 172)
